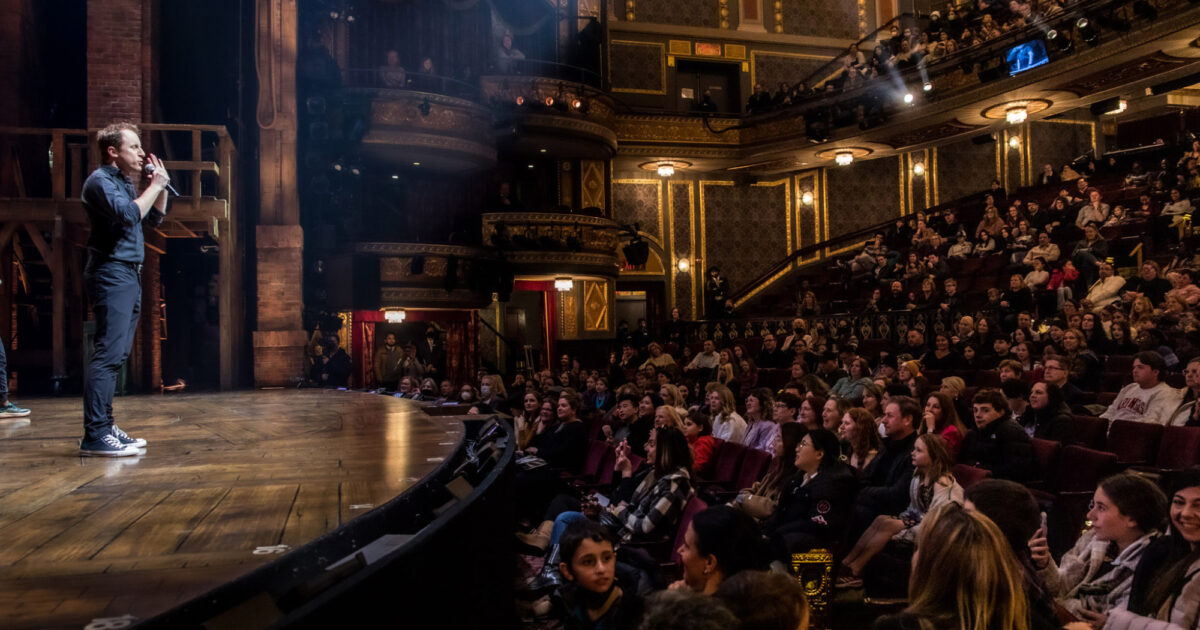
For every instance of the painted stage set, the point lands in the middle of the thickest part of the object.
(229, 483)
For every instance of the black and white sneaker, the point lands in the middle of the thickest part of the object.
(106, 446)
(126, 440)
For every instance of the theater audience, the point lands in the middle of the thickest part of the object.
(1146, 399)
(697, 429)
(858, 431)
(593, 598)
(816, 505)
(764, 600)
(885, 489)
(760, 418)
(726, 423)
(940, 418)
(998, 443)
(719, 543)
(761, 499)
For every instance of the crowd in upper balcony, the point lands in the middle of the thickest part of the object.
(959, 27)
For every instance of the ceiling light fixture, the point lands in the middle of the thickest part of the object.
(843, 158)
(666, 169)
(563, 284)
(1016, 115)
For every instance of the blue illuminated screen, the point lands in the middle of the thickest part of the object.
(1026, 56)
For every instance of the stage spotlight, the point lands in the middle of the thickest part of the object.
(909, 98)
(1145, 10)
(549, 101)
(355, 171)
(576, 103)
(520, 100)
(1060, 40)
(927, 86)
(1088, 31)
(339, 166)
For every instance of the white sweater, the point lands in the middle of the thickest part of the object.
(1144, 405)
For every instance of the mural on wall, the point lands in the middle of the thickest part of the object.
(640, 201)
(863, 194)
(638, 67)
(770, 69)
(827, 18)
(702, 13)
(745, 227)
(964, 167)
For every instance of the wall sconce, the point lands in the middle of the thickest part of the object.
(684, 265)
(918, 169)
(806, 197)
(1014, 142)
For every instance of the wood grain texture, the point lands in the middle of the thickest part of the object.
(223, 474)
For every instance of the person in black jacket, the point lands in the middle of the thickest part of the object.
(888, 476)
(563, 447)
(1047, 417)
(998, 443)
(816, 505)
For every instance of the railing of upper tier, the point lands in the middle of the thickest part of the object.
(549, 70)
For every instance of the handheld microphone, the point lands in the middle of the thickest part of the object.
(149, 168)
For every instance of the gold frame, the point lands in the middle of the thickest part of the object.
(662, 55)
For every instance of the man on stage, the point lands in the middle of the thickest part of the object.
(113, 277)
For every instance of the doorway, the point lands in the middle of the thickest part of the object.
(722, 81)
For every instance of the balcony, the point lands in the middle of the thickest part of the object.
(427, 121)
(412, 275)
(548, 244)
(546, 107)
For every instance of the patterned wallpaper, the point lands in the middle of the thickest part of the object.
(809, 222)
(745, 228)
(770, 69)
(638, 67)
(863, 194)
(826, 18)
(964, 168)
(1057, 143)
(682, 199)
(638, 203)
(704, 13)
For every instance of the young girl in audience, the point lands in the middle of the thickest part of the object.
(761, 499)
(964, 577)
(697, 428)
(932, 486)
(1097, 573)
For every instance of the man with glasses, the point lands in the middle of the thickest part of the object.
(1055, 372)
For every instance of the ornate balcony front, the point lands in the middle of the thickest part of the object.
(550, 244)
(412, 275)
(547, 109)
(441, 129)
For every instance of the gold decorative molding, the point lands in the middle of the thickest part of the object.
(789, 209)
(735, 51)
(595, 306)
(390, 140)
(419, 249)
(641, 128)
(430, 297)
(680, 47)
(591, 186)
(568, 319)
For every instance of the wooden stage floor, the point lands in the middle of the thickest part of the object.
(224, 475)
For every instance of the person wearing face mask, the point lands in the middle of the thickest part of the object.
(493, 394)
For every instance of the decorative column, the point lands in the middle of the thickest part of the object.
(279, 338)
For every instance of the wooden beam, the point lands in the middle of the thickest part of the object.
(58, 280)
(192, 165)
(35, 235)
(45, 210)
(6, 234)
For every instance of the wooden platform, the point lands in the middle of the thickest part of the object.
(225, 481)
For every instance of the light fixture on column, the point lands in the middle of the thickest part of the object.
(843, 158)
(684, 265)
(563, 284)
(1014, 142)
(806, 197)
(1016, 115)
(918, 169)
(394, 316)
(666, 169)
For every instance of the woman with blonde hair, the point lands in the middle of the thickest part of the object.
(964, 577)
(726, 423)
(668, 416)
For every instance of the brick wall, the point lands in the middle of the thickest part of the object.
(119, 61)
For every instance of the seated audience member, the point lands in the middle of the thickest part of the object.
(810, 411)
(787, 408)
(1016, 392)
(761, 499)
(697, 428)
(941, 419)
(1047, 417)
(998, 443)
(851, 386)
(1094, 211)
(719, 543)
(708, 359)
(592, 598)
(832, 412)
(761, 420)
(932, 486)
(669, 416)
(1013, 509)
(765, 600)
(659, 359)
(682, 609)
(1038, 276)
(391, 74)
(562, 446)
(770, 356)
(964, 576)
(1165, 594)
(885, 490)
(1187, 414)
(1088, 252)
(815, 506)
(942, 357)
(1056, 372)
(1104, 291)
(1183, 285)
(623, 417)
(1146, 399)
(861, 435)
(493, 394)
(1045, 249)
(1149, 284)
(1096, 574)
(525, 420)
(726, 423)
(962, 248)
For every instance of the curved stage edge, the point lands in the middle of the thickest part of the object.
(281, 509)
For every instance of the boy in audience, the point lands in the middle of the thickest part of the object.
(593, 598)
(1146, 399)
(998, 443)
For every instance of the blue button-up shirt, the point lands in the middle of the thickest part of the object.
(108, 196)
